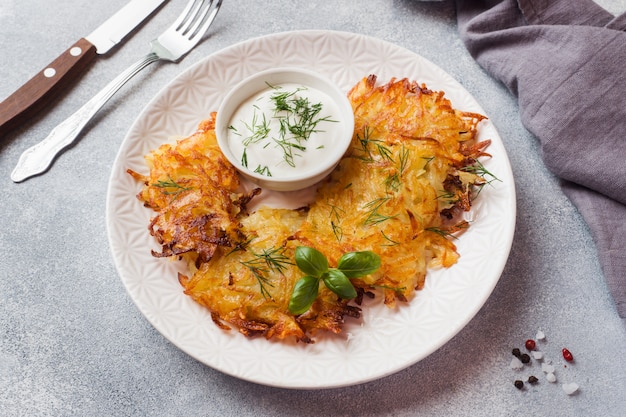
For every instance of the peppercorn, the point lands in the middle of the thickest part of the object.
(532, 379)
(530, 344)
(518, 384)
(524, 358)
(567, 355)
(516, 352)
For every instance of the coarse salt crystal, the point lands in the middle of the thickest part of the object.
(540, 335)
(516, 363)
(570, 388)
(537, 355)
(550, 377)
(547, 368)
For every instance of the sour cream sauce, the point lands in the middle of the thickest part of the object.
(256, 138)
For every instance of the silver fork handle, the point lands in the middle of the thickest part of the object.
(39, 157)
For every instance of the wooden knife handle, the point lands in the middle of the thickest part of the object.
(40, 90)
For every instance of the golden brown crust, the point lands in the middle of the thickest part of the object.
(193, 190)
(398, 191)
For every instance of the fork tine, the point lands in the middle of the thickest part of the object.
(203, 22)
(189, 12)
(192, 22)
(197, 15)
(209, 18)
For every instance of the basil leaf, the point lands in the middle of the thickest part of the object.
(337, 282)
(311, 261)
(303, 295)
(358, 264)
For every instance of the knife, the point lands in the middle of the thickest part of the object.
(49, 82)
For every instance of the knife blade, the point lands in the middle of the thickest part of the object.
(40, 90)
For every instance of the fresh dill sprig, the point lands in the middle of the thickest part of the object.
(263, 170)
(394, 180)
(390, 240)
(373, 215)
(480, 170)
(281, 99)
(272, 259)
(297, 115)
(303, 122)
(335, 221)
(241, 246)
(234, 130)
(449, 232)
(428, 159)
(403, 159)
(264, 282)
(383, 150)
(244, 158)
(365, 141)
(175, 187)
(448, 197)
(440, 232)
(288, 150)
(259, 129)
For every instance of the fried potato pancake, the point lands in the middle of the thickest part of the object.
(399, 191)
(193, 189)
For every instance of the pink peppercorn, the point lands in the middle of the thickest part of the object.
(567, 355)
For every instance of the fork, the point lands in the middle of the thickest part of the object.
(173, 44)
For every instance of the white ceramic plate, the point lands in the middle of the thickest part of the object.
(384, 341)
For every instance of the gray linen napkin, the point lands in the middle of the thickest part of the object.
(565, 60)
